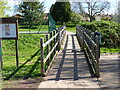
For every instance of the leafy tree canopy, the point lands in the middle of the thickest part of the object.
(61, 11)
(3, 7)
(32, 13)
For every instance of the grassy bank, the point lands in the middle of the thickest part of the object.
(109, 50)
(28, 45)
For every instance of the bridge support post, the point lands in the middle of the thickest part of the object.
(47, 38)
(42, 56)
(54, 32)
(83, 36)
(97, 55)
(59, 40)
(93, 38)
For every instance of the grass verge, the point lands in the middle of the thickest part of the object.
(28, 45)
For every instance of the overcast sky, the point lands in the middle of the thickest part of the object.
(48, 4)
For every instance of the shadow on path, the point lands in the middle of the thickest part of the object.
(62, 61)
(71, 58)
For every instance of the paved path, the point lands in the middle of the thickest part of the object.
(33, 32)
(109, 68)
(69, 69)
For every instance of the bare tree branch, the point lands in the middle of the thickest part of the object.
(91, 8)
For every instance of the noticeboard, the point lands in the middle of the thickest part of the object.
(8, 28)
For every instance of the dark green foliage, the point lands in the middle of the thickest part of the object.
(75, 17)
(110, 31)
(32, 13)
(109, 50)
(61, 11)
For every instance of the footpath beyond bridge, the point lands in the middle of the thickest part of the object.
(69, 69)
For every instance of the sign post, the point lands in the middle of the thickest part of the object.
(16, 44)
(9, 29)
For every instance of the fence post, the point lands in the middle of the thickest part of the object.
(59, 40)
(51, 41)
(83, 36)
(93, 38)
(16, 46)
(76, 31)
(42, 56)
(54, 41)
(97, 51)
(47, 38)
(51, 45)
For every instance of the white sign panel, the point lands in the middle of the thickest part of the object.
(8, 30)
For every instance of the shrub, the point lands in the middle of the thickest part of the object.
(110, 31)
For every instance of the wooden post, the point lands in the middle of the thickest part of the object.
(93, 38)
(1, 62)
(54, 41)
(51, 41)
(47, 47)
(42, 56)
(76, 31)
(97, 55)
(16, 45)
(51, 45)
(59, 40)
(83, 36)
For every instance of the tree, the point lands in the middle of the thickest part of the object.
(91, 8)
(32, 13)
(3, 7)
(76, 17)
(61, 11)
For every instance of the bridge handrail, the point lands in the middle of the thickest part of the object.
(52, 46)
(89, 43)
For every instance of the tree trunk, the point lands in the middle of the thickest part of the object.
(92, 18)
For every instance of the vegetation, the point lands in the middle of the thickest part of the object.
(109, 50)
(32, 13)
(42, 28)
(3, 7)
(76, 18)
(29, 52)
(29, 56)
(61, 11)
(109, 31)
(90, 8)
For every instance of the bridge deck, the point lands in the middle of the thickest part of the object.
(70, 69)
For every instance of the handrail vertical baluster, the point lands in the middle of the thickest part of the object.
(97, 55)
(42, 56)
(93, 48)
(47, 38)
(59, 40)
(54, 41)
(51, 45)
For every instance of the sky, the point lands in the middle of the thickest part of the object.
(48, 3)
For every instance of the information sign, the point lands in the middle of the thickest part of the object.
(8, 28)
